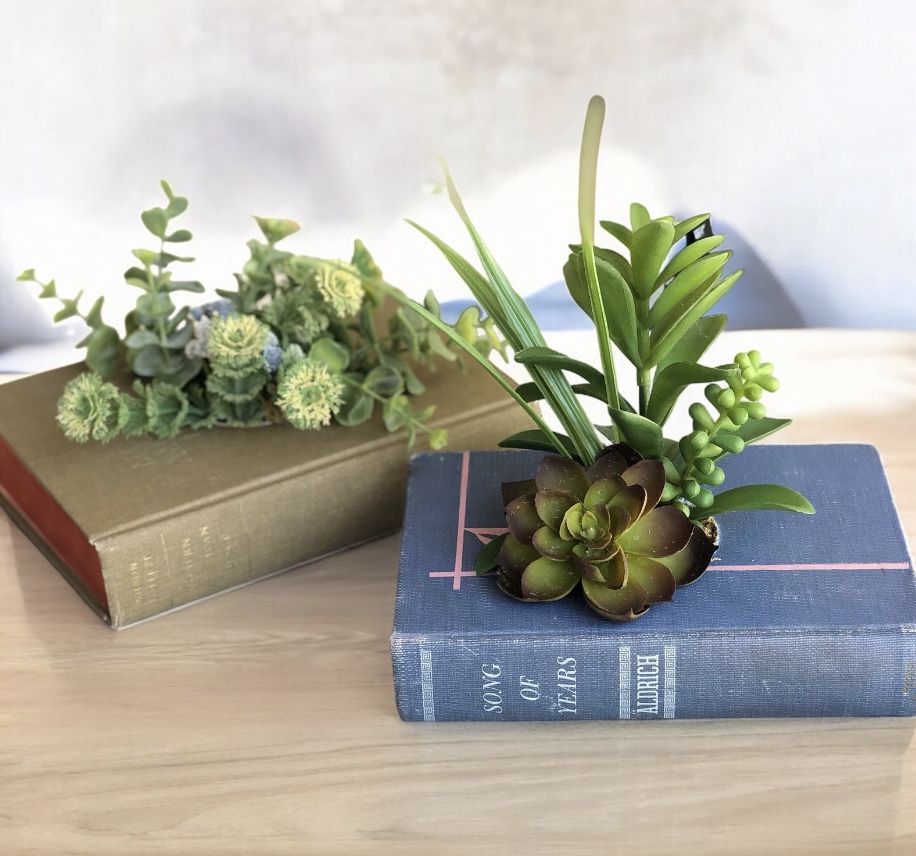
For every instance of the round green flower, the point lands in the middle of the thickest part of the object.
(89, 408)
(341, 289)
(235, 344)
(309, 394)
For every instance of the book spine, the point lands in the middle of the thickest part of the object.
(687, 676)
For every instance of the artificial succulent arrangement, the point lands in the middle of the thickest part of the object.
(297, 341)
(621, 509)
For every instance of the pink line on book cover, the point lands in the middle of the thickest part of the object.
(457, 574)
(485, 534)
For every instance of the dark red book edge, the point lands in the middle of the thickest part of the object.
(48, 526)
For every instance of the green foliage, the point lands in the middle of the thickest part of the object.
(650, 302)
(298, 340)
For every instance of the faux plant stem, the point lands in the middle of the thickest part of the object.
(588, 176)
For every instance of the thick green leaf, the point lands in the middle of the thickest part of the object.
(330, 352)
(180, 336)
(613, 258)
(688, 256)
(141, 338)
(396, 412)
(616, 296)
(69, 308)
(165, 259)
(619, 308)
(620, 263)
(556, 360)
(155, 305)
(756, 497)
(357, 405)
(156, 221)
(102, 350)
(414, 385)
(689, 225)
(648, 250)
(672, 381)
(695, 342)
(179, 236)
(148, 361)
(94, 315)
(177, 204)
(689, 283)
(185, 285)
(756, 429)
(384, 381)
(486, 559)
(276, 228)
(639, 432)
(666, 337)
(618, 230)
(537, 440)
(639, 216)
(576, 285)
(187, 370)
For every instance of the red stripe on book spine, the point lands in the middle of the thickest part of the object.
(51, 522)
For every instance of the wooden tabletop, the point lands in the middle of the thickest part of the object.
(263, 721)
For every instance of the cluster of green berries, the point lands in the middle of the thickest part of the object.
(714, 436)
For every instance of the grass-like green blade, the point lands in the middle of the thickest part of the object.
(518, 319)
(477, 283)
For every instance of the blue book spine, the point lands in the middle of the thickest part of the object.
(691, 676)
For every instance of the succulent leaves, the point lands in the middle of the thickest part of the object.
(602, 527)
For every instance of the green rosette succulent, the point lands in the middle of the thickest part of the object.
(602, 527)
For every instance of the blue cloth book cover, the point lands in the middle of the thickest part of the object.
(798, 615)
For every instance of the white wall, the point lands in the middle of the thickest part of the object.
(794, 121)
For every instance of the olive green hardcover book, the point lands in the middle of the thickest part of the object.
(143, 526)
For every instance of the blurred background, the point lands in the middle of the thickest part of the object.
(792, 122)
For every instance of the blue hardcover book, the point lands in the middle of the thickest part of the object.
(798, 615)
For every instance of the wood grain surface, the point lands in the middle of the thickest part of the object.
(263, 721)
